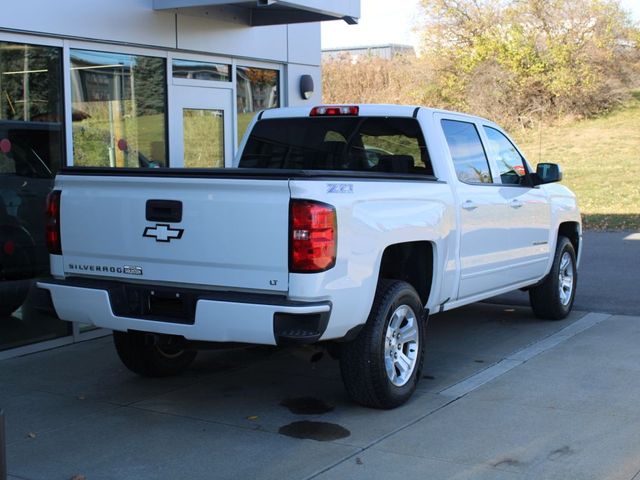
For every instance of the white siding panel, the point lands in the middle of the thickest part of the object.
(127, 21)
(225, 38)
(304, 43)
(293, 85)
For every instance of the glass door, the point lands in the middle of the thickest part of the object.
(200, 127)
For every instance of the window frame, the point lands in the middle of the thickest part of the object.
(177, 55)
(66, 44)
(115, 49)
(98, 49)
(283, 93)
(65, 132)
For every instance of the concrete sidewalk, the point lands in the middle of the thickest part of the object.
(539, 400)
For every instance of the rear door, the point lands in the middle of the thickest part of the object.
(175, 228)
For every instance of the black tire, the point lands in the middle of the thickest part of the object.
(362, 361)
(151, 360)
(13, 293)
(545, 298)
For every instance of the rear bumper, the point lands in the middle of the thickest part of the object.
(215, 317)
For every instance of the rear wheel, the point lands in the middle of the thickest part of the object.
(381, 367)
(13, 293)
(553, 298)
(150, 360)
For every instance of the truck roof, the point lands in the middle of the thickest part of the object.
(366, 109)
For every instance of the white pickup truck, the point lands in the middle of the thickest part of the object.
(345, 225)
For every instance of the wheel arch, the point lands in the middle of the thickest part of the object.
(571, 230)
(412, 262)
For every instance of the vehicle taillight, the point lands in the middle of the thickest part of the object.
(335, 110)
(54, 243)
(313, 236)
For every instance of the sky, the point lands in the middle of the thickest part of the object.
(384, 21)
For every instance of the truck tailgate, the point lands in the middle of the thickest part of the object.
(231, 234)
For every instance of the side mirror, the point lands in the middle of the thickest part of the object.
(548, 173)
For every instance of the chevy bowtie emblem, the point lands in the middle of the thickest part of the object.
(163, 232)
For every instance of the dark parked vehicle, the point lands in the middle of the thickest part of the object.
(25, 180)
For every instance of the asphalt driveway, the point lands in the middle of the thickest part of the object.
(503, 396)
(609, 275)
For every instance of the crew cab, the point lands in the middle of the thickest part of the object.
(344, 225)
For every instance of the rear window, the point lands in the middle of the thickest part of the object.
(369, 144)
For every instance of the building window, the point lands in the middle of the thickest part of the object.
(119, 110)
(193, 70)
(257, 89)
(31, 152)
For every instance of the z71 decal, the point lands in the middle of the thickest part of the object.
(339, 187)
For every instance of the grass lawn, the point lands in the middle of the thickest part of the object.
(601, 163)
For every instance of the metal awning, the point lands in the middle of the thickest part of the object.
(269, 12)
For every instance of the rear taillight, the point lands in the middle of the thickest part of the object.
(54, 243)
(312, 236)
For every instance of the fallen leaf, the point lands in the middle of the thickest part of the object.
(78, 477)
(31, 435)
(358, 461)
(252, 417)
(81, 397)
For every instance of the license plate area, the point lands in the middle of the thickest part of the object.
(165, 304)
(160, 304)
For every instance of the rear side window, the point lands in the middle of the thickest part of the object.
(369, 144)
(469, 158)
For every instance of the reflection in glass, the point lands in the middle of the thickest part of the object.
(257, 89)
(371, 144)
(119, 109)
(510, 163)
(203, 132)
(31, 136)
(466, 149)
(193, 70)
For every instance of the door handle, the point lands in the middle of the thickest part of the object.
(469, 205)
(164, 211)
(515, 203)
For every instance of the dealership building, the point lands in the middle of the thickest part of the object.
(131, 83)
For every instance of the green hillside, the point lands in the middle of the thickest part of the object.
(601, 163)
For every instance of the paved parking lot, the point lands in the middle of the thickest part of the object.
(504, 396)
(609, 276)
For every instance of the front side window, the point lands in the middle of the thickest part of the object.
(119, 109)
(511, 165)
(469, 158)
(257, 89)
(369, 144)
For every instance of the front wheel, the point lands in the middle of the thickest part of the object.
(151, 360)
(381, 367)
(553, 298)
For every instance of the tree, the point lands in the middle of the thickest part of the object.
(521, 60)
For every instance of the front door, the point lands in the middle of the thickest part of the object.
(481, 211)
(200, 128)
(528, 213)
